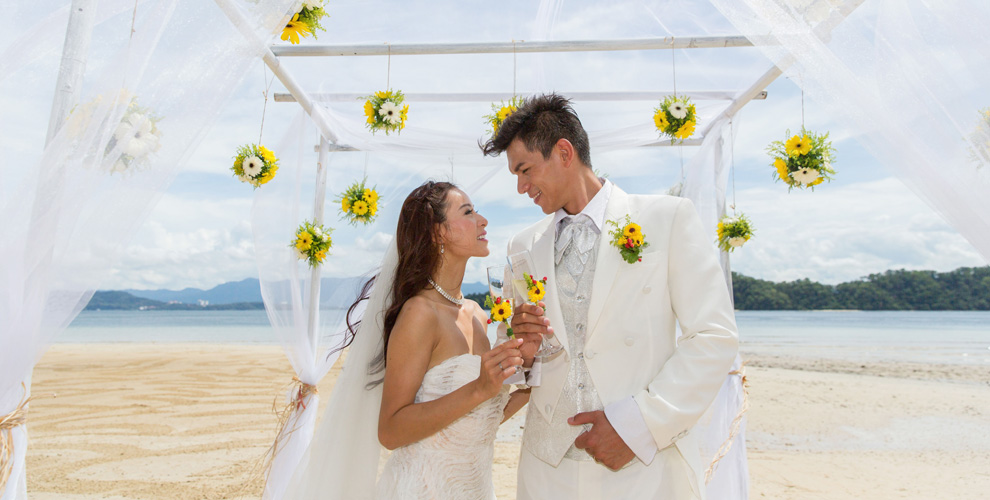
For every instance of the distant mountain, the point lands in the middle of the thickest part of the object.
(249, 290)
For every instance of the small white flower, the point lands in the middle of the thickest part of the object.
(243, 178)
(390, 111)
(737, 241)
(312, 4)
(135, 135)
(730, 221)
(805, 176)
(678, 110)
(317, 233)
(252, 166)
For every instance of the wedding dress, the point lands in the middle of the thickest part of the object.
(455, 463)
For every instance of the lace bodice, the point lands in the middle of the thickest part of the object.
(455, 463)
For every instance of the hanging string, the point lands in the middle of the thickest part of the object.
(367, 156)
(802, 110)
(264, 107)
(388, 70)
(732, 163)
(133, 20)
(673, 70)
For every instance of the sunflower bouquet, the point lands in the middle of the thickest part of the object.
(676, 117)
(804, 160)
(385, 111)
(304, 23)
(254, 164)
(501, 111)
(500, 310)
(312, 243)
(629, 239)
(734, 232)
(359, 204)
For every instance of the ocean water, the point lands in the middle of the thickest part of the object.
(952, 337)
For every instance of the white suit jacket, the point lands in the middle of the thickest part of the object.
(631, 347)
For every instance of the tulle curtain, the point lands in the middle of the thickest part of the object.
(910, 77)
(157, 74)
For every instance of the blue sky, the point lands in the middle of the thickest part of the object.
(865, 221)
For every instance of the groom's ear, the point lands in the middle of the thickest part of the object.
(565, 149)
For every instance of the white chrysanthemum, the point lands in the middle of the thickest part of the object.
(730, 221)
(252, 166)
(317, 233)
(678, 110)
(805, 176)
(737, 241)
(135, 136)
(390, 111)
(243, 178)
(312, 4)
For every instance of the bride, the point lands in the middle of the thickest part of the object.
(442, 396)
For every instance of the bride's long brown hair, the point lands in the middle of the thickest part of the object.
(417, 240)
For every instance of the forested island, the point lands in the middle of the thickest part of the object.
(965, 289)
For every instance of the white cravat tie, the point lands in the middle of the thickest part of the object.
(576, 230)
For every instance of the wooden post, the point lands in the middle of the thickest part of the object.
(82, 16)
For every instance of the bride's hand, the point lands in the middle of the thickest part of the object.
(497, 365)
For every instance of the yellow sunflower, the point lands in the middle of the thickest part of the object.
(320, 255)
(359, 207)
(402, 117)
(798, 145)
(369, 196)
(383, 94)
(685, 131)
(345, 205)
(537, 291)
(632, 230)
(782, 170)
(660, 119)
(267, 154)
(502, 311)
(292, 31)
(369, 111)
(373, 208)
(304, 240)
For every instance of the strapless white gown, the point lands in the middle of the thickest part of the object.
(455, 463)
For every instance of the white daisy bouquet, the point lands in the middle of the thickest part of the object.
(304, 23)
(359, 204)
(676, 117)
(254, 164)
(734, 232)
(501, 111)
(135, 137)
(385, 111)
(804, 160)
(312, 243)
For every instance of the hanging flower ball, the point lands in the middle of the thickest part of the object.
(734, 232)
(804, 160)
(501, 111)
(676, 117)
(359, 204)
(304, 23)
(254, 164)
(312, 243)
(385, 111)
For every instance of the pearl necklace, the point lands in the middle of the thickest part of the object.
(444, 292)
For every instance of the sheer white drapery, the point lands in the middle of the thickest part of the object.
(908, 76)
(76, 201)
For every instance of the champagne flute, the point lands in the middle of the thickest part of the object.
(521, 266)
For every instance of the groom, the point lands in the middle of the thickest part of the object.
(611, 415)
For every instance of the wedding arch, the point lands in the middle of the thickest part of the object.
(906, 75)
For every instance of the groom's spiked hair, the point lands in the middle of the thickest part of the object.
(539, 123)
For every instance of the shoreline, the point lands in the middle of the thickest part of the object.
(167, 420)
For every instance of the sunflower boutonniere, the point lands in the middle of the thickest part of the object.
(500, 310)
(629, 239)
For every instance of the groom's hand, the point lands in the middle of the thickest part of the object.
(601, 441)
(529, 324)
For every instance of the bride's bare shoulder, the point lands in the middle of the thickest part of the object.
(419, 314)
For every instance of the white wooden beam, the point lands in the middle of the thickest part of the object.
(518, 46)
(700, 95)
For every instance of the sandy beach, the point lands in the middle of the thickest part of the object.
(184, 421)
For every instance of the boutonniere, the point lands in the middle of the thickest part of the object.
(629, 239)
(535, 289)
(500, 310)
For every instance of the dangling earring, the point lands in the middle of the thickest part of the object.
(441, 248)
